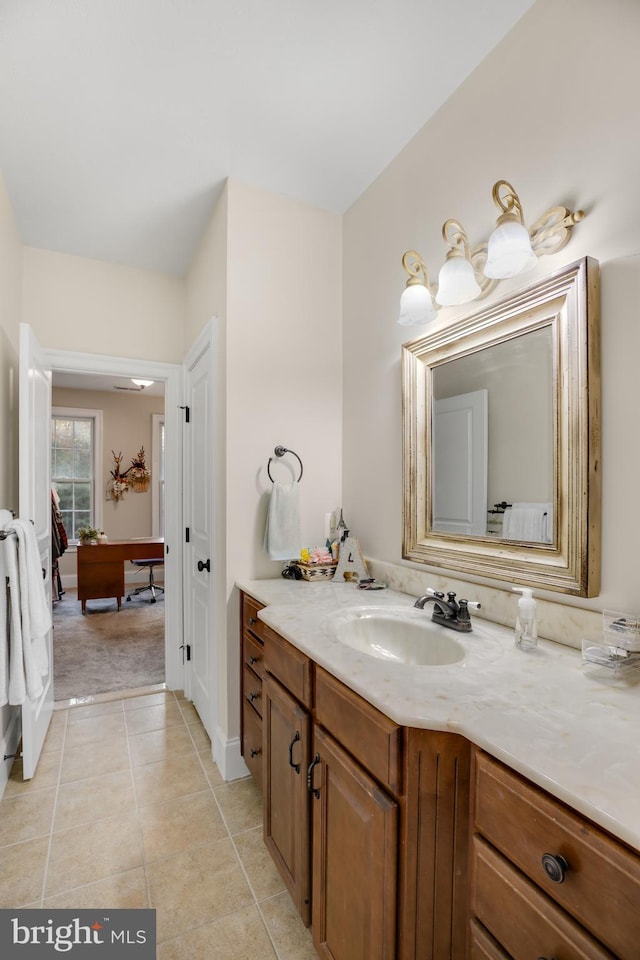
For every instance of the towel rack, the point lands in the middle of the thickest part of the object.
(280, 452)
(499, 507)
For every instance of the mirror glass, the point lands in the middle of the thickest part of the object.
(493, 429)
(501, 438)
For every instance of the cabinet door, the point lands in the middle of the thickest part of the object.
(355, 853)
(287, 820)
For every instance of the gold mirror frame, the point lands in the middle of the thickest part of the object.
(568, 302)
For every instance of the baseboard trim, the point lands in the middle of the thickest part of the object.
(226, 754)
(9, 745)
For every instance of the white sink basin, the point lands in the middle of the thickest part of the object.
(399, 636)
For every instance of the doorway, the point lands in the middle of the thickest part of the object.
(103, 426)
(103, 635)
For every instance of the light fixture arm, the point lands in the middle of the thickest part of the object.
(414, 265)
(507, 200)
(455, 237)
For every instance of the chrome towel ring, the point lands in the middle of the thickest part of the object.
(280, 452)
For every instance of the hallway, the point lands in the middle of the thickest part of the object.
(128, 810)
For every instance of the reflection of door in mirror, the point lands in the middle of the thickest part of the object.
(460, 463)
(517, 377)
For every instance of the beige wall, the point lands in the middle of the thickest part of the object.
(126, 427)
(90, 306)
(275, 287)
(10, 315)
(554, 109)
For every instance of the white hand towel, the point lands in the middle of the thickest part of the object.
(526, 521)
(283, 537)
(5, 516)
(30, 613)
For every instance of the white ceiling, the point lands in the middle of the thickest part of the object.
(121, 119)
(105, 384)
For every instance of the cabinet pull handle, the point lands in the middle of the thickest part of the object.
(253, 621)
(554, 866)
(314, 763)
(255, 752)
(296, 766)
(253, 660)
(253, 696)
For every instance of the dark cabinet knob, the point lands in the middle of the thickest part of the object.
(255, 752)
(204, 565)
(253, 620)
(253, 696)
(253, 660)
(554, 866)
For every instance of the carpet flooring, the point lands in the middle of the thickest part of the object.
(106, 650)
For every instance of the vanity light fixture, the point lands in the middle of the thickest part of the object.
(470, 274)
(142, 383)
(457, 279)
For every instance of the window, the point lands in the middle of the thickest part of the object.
(76, 455)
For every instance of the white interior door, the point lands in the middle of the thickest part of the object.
(35, 504)
(199, 590)
(460, 458)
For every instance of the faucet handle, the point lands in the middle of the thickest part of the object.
(473, 604)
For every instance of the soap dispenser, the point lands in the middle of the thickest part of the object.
(526, 635)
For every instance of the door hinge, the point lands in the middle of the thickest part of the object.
(186, 413)
(187, 534)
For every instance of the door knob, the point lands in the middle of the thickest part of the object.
(204, 565)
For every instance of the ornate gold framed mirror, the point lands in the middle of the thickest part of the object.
(501, 438)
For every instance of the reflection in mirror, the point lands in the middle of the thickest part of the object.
(493, 418)
(501, 438)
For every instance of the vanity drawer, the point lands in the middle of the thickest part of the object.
(252, 742)
(601, 886)
(252, 689)
(482, 945)
(253, 654)
(365, 732)
(250, 621)
(288, 664)
(522, 919)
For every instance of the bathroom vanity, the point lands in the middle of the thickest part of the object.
(439, 812)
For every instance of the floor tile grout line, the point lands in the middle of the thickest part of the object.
(138, 808)
(47, 862)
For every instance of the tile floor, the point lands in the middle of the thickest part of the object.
(127, 809)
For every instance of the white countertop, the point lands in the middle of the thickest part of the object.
(572, 735)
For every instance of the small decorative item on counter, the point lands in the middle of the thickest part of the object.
(351, 565)
(87, 535)
(102, 537)
(370, 583)
(615, 658)
(316, 563)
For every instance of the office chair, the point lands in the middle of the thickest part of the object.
(151, 585)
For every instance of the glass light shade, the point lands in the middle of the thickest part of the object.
(456, 282)
(142, 383)
(416, 306)
(509, 251)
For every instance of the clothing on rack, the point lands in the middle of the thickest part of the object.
(59, 543)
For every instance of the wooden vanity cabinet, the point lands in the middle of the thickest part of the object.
(355, 825)
(546, 882)
(251, 680)
(286, 799)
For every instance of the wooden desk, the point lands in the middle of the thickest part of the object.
(101, 566)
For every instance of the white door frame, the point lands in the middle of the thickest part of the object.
(171, 374)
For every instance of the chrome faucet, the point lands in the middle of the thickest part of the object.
(450, 613)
